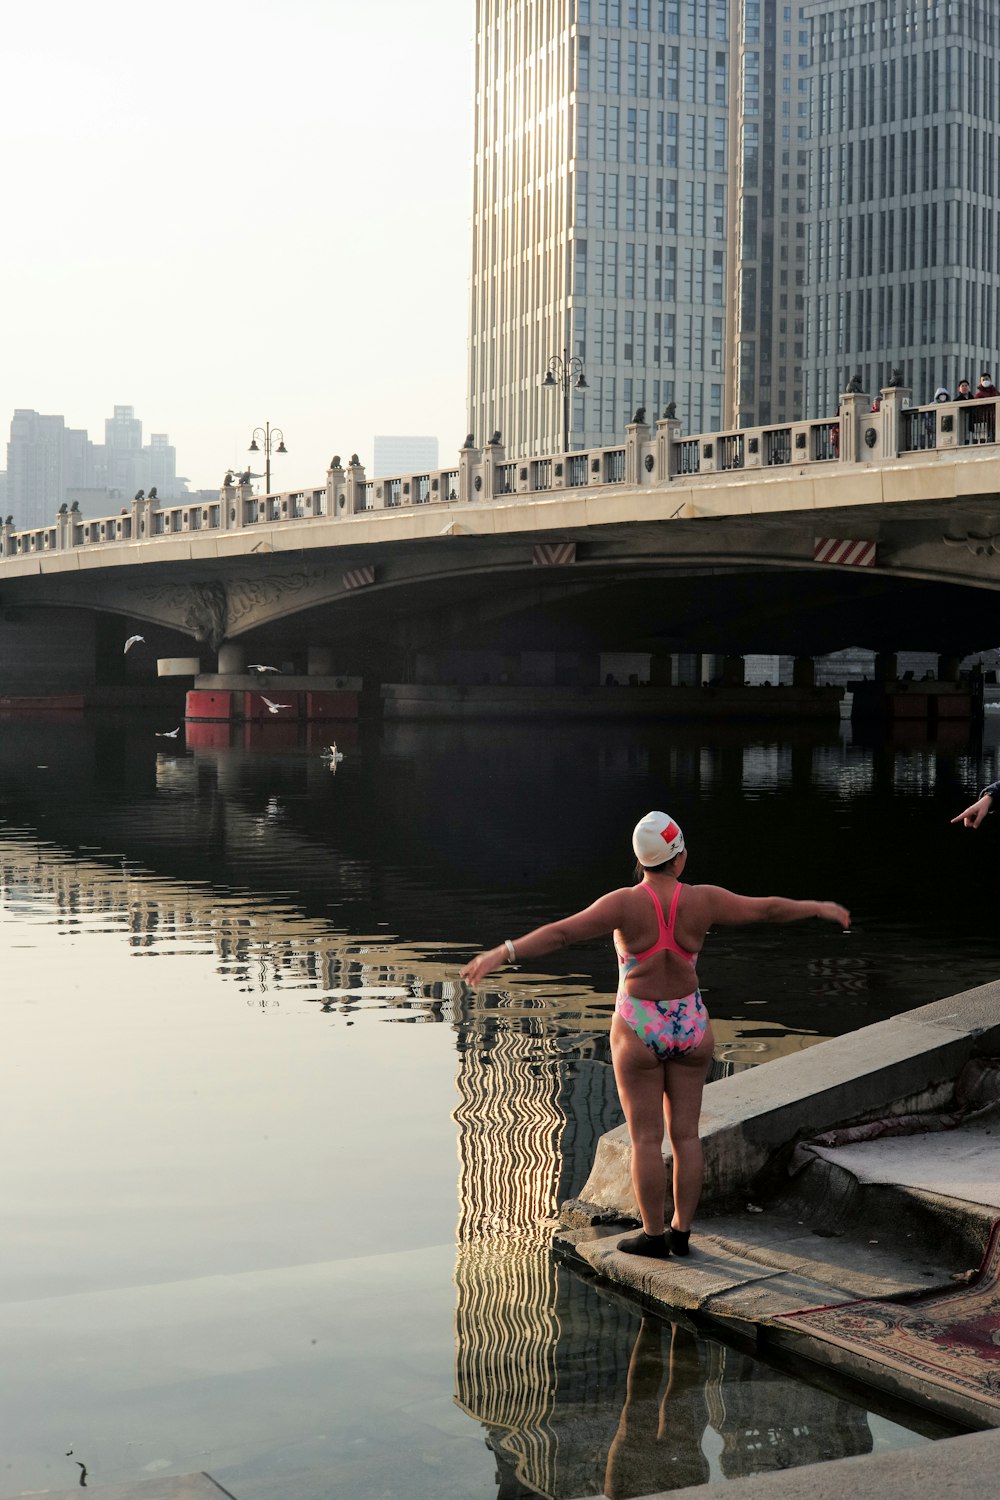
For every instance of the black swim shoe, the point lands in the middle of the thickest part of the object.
(679, 1241)
(653, 1245)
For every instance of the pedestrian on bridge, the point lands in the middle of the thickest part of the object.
(661, 1036)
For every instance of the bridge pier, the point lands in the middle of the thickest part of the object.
(803, 672)
(734, 671)
(319, 661)
(661, 670)
(232, 659)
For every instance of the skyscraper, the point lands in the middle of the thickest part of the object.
(603, 143)
(903, 230)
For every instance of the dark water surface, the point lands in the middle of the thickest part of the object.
(277, 1193)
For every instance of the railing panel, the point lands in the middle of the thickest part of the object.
(978, 422)
(421, 489)
(392, 492)
(778, 447)
(687, 456)
(918, 430)
(449, 484)
(504, 481)
(541, 474)
(731, 451)
(577, 470)
(614, 466)
(826, 441)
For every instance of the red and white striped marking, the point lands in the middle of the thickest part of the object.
(358, 578)
(554, 554)
(850, 554)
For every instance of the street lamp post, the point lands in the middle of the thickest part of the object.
(561, 370)
(267, 434)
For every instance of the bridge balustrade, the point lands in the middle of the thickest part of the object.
(650, 462)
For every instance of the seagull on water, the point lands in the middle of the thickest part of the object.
(132, 640)
(168, 734)
(259, 668)
(273, 708)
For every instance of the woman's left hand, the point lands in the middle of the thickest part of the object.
(483, 964)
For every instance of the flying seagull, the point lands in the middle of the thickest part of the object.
(168, 734)
(258, 667)
(131, 642)
(273, 708)
(331, 753)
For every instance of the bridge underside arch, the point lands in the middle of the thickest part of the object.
(738, 586)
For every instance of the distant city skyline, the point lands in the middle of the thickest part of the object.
(239, 217)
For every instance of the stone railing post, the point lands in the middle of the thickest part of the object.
(492, 455)
(229, 503)
(7, 538)
(335, 487)
(855, 406)
(468, 458)
(150, 506)
(895, 399)
(668, 430)
(63, 528)
(355, 486)
(636, 434)
(243, 497)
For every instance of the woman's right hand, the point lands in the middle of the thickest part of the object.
(484, 963)
(829, 911)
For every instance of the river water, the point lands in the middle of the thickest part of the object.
(277, 1192)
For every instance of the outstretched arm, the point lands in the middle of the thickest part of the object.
(974, 815)
(730, 910)
(594, 921)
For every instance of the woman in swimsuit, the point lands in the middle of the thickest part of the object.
(661, 1037)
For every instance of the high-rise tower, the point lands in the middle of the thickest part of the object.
(903, 230)
(600, 216)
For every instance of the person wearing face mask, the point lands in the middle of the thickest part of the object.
(986, 390)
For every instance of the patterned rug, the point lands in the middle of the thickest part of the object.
(951, 1339)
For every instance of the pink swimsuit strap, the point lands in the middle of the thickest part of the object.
(665, 939)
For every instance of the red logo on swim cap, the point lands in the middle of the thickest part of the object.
(670, 833)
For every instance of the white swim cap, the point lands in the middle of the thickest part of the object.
(656, 838)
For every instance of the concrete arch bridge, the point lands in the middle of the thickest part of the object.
(798, 547)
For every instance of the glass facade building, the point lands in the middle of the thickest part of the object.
(601, 215)
(903, 228)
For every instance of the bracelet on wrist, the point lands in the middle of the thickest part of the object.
(511, 955)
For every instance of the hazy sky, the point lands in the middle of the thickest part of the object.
(224, 212)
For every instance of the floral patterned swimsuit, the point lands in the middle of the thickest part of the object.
(667, 1027)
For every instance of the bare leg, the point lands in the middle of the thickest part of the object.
(639, 1077)
(685, 1082)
